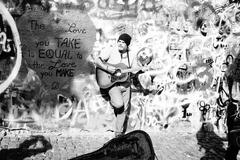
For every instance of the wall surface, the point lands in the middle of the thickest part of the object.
(188, 44)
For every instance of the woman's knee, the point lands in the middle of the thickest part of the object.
(117, 104)
(118, 107)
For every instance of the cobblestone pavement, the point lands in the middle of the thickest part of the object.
(174, 143)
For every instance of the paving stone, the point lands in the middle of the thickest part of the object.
(176, 143)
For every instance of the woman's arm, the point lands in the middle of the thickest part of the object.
(103, 65)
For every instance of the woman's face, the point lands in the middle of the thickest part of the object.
(122, 46)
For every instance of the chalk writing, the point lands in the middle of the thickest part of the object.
(30, 54)
(57, 64)
(42, 43)
(64, 72)
(37, 65)
(69, 42)
(34, 25)
(45, 74)
(74, 29)
(55, 53)
(55, 85)
(56, 50)
(115, 9)
(56, 57)
(84, 6)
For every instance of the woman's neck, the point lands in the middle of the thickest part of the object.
(123, 51)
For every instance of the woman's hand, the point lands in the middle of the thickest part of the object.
(111, 69)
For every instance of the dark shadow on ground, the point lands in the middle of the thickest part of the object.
(209, 141)
(32, 146)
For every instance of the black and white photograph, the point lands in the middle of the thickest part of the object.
(119, 79)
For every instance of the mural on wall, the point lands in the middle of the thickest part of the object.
(56, 48)
(10, 51)
(188, 44)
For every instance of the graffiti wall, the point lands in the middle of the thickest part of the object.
(187, 45)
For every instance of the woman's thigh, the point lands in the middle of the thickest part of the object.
(116, 97)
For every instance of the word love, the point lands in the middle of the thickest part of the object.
(74, 29)
(60, 64)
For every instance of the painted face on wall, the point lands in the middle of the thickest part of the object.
(196, 50)
(143, 29)
(144, 56)
(122, 46)
(204, 28)
(237, 17)
(217, 19)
